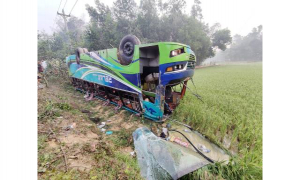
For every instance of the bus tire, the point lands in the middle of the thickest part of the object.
(85, 50)
(78, 52)
(126, 48)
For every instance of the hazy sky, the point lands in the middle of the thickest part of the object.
(240, 16)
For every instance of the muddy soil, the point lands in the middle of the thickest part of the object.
(68, 131)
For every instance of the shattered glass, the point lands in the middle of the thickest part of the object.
(162, 159)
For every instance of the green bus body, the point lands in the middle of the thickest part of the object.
(150, 75)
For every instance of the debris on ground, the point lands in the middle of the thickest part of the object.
(132, 153)
(164, 133)
(82, 140)
(108, 132)
(41, 86)
(84, 143)
(101, 125)
(85, 111)
(41, 170)
(71, 126)
(72, 157)
(95, 119)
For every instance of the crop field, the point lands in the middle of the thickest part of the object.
(230, 115)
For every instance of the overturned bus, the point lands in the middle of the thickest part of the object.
(146, 79)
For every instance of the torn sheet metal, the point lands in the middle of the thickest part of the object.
(208, 148)
(162, 159)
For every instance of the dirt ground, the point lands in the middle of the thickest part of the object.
(72, 146)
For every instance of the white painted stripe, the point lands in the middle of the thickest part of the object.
(109, 74)
(94, 55)
(81, 69)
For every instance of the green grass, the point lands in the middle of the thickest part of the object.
(53, 109)
(113, 164)
(232, 108)
(121, 138)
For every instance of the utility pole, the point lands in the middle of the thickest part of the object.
(64, 16)
(65, 19)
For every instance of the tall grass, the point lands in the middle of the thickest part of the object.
(232, 110)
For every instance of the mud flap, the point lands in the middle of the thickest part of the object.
(155, 111)
(152, 111)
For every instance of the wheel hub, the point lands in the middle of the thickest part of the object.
(128, 48)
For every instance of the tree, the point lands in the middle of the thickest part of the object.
(148, 21)
(175, 7)
(76, 28)
(196, 11)
(193, 33)
(247, 48)
(101, 32)
(174, 18)
(151, 21)
(221, 38)
(57, 45)
(214, 28)
(98, 14)
(124, 12)
(154, 21)
(44, 46)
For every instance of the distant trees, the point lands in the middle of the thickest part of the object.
(101, 31)
(61, 43)
(148, 21)
(243, 48)
(221, 38)
(151, 21)
(196, 11)
(44, 46)
(248, 48)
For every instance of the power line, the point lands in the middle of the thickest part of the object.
(65, 4)
(56, 14)
(64, 16)
(73, 7)
(59, 5)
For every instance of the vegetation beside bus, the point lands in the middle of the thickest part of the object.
(230, 115)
